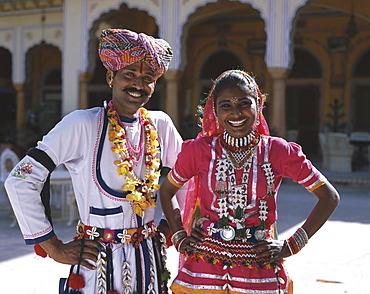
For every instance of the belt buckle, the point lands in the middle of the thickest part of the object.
(227, 234)
(260, 235)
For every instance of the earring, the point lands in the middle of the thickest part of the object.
(110, 84)
(257, 122)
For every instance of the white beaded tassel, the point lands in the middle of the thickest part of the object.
(152, 273)
(101, 269)
(126, 274)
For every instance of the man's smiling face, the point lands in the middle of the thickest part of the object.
(132, 87)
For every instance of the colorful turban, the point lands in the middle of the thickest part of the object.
(121, 47)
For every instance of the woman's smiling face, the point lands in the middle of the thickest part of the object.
(236, 110)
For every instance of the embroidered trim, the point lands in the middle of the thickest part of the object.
(105, 211)
(307, 179)
(229, 254)
(317, 184)
(135, 236)
(229, 277)
(23, 170)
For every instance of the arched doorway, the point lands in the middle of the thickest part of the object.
(213, 66)
(360, 94)
(303, 93)
(7, 99)
(42, 92)
(217, 37)
(52, 94)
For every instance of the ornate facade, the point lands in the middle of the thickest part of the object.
(312, 57)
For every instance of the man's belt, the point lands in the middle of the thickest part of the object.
(135, 235)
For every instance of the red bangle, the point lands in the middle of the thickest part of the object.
(293, 246)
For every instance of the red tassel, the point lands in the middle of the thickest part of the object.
(112, 292)
(76, 281)
(39, 251)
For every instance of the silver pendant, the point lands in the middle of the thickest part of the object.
(260, 235)
(227, 234)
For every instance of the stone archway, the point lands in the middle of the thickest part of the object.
(41, 60)
(303, 92)
(224, 29)
(360, 98)
(7, 98)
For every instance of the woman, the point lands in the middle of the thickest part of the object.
(227, 236)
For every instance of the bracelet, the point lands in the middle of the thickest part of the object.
(297, 241)
(290, 249)
(179, 243)
(177, 236)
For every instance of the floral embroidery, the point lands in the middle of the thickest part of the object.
(136, 239)
(23, 170)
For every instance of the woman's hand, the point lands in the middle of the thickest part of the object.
(196, 237)
(69, 253)
(272, 250)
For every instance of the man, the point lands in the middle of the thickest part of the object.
(113, 155)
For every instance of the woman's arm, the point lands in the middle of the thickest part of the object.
(167, 191)
(181, 240)
(328, 199)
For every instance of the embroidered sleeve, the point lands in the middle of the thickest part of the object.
(316, 184)
(169, 137)
(23, 187)
(295, 165)
(185, 167)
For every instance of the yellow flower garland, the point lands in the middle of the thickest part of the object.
(140, 191)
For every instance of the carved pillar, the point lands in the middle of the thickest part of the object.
(84, 79)
(277, 121)
(20, 97)
(171, 95)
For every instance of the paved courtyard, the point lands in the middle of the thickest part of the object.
(336, 259)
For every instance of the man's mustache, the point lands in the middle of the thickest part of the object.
(141, 92)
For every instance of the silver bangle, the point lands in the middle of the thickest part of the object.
(180, 243)
(288, 245)
(178, 235)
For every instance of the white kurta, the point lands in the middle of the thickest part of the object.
(78, 143)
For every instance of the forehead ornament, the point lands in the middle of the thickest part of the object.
(234, 100)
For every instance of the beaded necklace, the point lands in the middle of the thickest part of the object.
(239, 150)
(234, 196)
(140, 191)
(135, 154)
